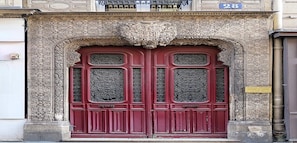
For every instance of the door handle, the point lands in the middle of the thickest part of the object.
(190, 106)
(106, 106)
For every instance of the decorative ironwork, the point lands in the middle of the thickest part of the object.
(156, 2)
(190, 59)
(76, 87)
(137, 85)
(220, 85)
(160, 85)
(106, 59)
(107, 85)
(190, 85)
(142, 5)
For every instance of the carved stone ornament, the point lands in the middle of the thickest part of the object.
(148, 34)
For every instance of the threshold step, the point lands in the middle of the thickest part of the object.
(153, 140)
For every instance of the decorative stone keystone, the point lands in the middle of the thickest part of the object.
(148, 34)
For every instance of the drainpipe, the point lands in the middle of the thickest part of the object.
(278, 99)
(278, 16)
(278, 126)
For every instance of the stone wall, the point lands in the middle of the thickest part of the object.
(54, 37)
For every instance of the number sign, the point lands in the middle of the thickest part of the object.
(230, 6)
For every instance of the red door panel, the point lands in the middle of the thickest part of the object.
(138, 119)
(186, 80)
(161, 118)
(133, 92)
(98, 119)
(201, 119)
(118, 120)
(181, 121)
(78, 120)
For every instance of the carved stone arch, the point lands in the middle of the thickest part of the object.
(65, 56)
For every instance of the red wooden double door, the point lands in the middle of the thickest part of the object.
(134, 92)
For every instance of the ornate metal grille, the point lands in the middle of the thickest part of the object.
(190, 59)
(106, 59)
(162, 2)
(137, 85)
(190, 85)
(107, 85)
(220, 85)
(160, 85)
(140, 5)
(76, 91)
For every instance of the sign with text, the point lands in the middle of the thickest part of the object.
(230, 5)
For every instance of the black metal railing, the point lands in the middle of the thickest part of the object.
(156, 2)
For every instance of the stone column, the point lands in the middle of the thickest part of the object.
(45, 109)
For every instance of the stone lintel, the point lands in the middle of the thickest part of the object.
(46, 131)
(16, 13)
(250, 131)
(163, 14)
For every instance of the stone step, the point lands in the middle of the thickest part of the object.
(153, 140)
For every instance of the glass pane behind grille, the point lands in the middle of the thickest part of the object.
(137, 85)
(160, 85)
(220, 86)
(105, 59)
(190, 59)
(107, 85)
(190, 85)
(76, 84)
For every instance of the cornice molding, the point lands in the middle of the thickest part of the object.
(16, 13)
(284, 33)
(163, 14)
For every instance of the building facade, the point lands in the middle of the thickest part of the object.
(189, 69)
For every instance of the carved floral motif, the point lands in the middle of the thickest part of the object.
(148, 34)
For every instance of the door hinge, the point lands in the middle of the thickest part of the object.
(71, 127)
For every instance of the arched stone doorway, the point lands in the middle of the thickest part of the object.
(55, 37)
(66, 53)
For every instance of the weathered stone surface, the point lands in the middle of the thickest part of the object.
(54, 38)
(46, 131)
(257, 107)
(257, 61)
(148, 34)
(250, 131)
(257, 77)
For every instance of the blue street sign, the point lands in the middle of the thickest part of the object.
(230, 5)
